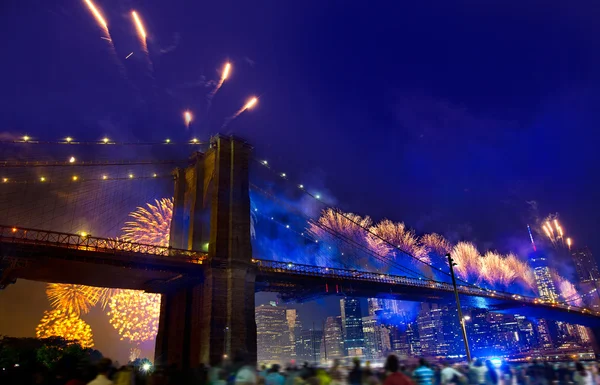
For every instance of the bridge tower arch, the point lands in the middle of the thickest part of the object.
(209, 320)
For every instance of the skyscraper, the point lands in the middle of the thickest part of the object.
(272, 334)
(543, 279)
(309, 349)
(294, 330)
(352, 328)
(585, 265)
(439, 330)
(334, 341)
(377, 338)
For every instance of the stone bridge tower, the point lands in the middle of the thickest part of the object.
(204, 322)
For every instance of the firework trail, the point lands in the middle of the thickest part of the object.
(466, 257)
(187, 118)
(531, 238)
(140, 30)
(436, 243)
(403, 238)
(224, 76)
(59, 323)
(569, 243)
(250, 104)
(150, 225)
(104, 25)
(134, 314)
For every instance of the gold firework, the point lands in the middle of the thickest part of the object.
(402, 238)
(77, 299)
(436, 243)
(59, 323)
(134, 314)
(150, 225)
(466, 257)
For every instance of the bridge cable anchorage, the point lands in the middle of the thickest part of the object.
(344, 238)
(104, 142)
(393, 246)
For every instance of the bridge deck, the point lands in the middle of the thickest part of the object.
(70, 258)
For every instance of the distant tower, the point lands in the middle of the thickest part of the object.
(273, 338)
(589, 277)
(543, 280)
(334, 339)
(354, 340)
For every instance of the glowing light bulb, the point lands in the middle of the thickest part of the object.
(283, 174)
(25, 138)
(42, 179)
(194, 140)
(287, 226)
(105, 140)
(84, 234)
(264, 162)
(104, 177)
(4, 180)
(72, 159)
(68, 139)
(301, 186)
(14, 229)
(154, 175)
(130, 176)
(318, 196)
(75, 177)
(168, 140)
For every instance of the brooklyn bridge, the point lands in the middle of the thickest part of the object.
(209, 273)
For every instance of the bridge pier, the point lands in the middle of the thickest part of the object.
(215, 318)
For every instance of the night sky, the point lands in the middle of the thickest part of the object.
(466, 118)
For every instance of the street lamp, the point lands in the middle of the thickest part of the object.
(461, 319)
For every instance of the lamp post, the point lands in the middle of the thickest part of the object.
(460, 315)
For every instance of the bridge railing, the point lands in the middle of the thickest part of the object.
(20, 235)
(356, 275)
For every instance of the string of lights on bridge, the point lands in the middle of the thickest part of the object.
(76, 178)
(103, 141)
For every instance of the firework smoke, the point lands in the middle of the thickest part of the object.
(150, 225)
(134, 314)
(566, 290)
(59, 323)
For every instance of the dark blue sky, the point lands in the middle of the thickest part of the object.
(449, 116)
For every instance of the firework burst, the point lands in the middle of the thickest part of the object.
(466, 257)
(523, 271)
(77, 299)
(436, 243)
(495, 270)
(134, 314)
(150, 225)
(59, 323)
(403, 238)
